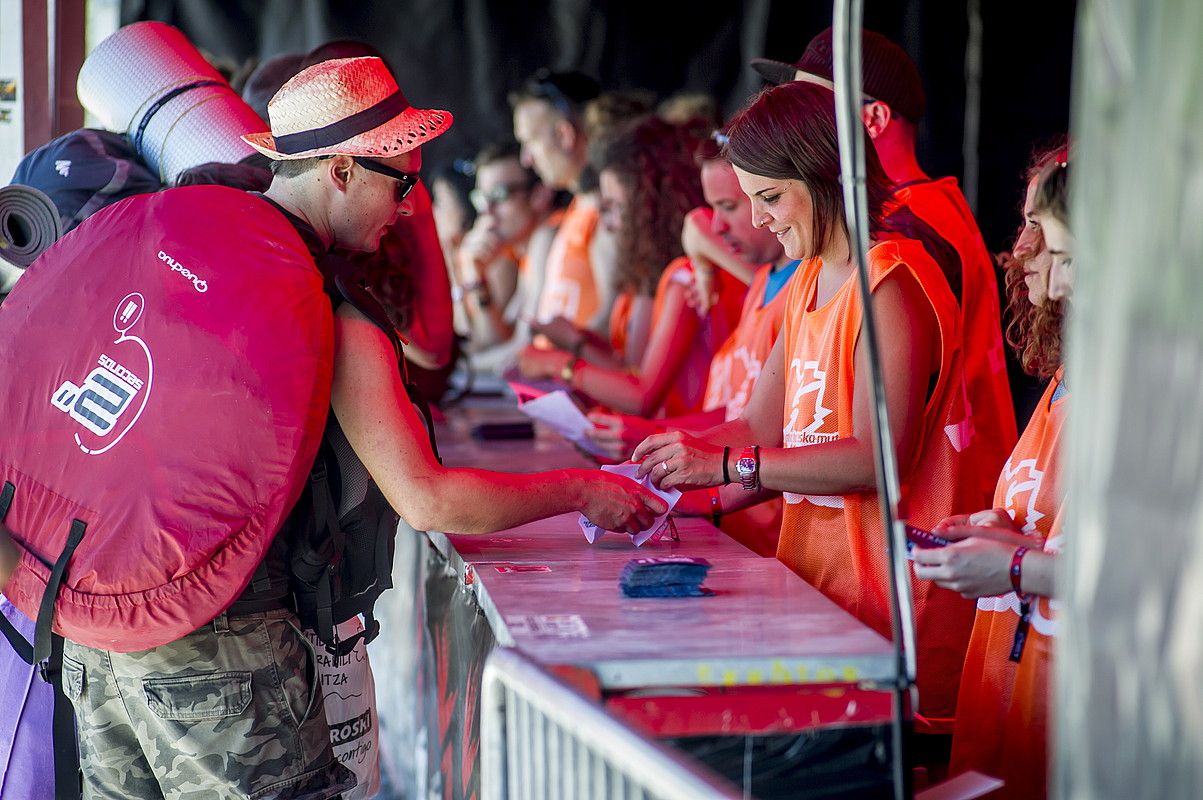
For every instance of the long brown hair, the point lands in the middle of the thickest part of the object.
(1033, 331)
(789, 132)
(654, 161)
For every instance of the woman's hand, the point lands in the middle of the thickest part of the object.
(977, 564)
(560, 332)
(619, 504)
(991, 517)
(536, 364)
(676, 460)
(974, 567)
(481, 245)
(619, 434)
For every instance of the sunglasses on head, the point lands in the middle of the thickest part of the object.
(543, 86)
(406, 181)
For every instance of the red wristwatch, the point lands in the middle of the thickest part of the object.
(748, 467)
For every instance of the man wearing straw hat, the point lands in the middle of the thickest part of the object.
(232, 709)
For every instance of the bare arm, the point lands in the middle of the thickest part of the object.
(700, 243)
(501, 357)
(604, 258)
(430, 331)
(978, 564)
(389, 437)
(640, 392)
(486, 308)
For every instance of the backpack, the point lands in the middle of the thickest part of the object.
(168, 370)
(85, 170)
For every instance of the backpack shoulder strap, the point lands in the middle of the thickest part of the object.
(371, 308)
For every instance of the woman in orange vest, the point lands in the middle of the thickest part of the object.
(1005, 556)
(806, 430)
(659, 355)
(732, 243)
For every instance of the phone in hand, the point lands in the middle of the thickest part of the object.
(917, 537)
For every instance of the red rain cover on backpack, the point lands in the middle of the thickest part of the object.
(167, 379)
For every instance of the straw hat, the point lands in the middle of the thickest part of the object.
(345, 106)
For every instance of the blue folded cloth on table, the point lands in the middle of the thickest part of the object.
(664, 576)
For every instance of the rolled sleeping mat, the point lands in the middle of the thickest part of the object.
(29, 223)
(149, 82)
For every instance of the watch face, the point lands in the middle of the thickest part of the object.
(745, 465)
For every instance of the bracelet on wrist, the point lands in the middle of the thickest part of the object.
(716, 507)
(568, 371)
(726, 468)
(481, 290)
(1016, 571)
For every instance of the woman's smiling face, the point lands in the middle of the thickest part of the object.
(785, 207)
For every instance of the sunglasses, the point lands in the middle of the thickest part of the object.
(497, 195)
(406, 181)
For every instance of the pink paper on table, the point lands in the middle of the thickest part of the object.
(557, 411)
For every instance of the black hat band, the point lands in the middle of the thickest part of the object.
(338, 132)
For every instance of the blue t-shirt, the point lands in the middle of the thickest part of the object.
(778, 279)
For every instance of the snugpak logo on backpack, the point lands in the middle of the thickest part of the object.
(116, 382)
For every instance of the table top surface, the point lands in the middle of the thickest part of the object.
(548, 592)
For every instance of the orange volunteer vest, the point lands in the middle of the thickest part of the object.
(733, 372)
(1026, 754)
(836, 542)
(940, 204)
(739, 361)
(1029, 489)
(689, 387)
(568, 289)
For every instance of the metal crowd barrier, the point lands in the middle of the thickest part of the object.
(541, 740)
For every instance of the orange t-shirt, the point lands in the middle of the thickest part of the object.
(569, 289)
(836, 542)
(1029, 488)
(940, 204)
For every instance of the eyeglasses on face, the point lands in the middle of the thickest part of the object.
(406, 181)
(498, 194)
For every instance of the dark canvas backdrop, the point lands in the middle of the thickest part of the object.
(464, 55)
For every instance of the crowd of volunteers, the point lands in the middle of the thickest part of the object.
(691, 281)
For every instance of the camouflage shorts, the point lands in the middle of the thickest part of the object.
(232, 710)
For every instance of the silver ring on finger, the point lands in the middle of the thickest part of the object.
(664, 466)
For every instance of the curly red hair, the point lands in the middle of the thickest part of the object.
(1033, 331)
(654, 160)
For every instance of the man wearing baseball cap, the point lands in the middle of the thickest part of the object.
(233, 709)
(933, 212)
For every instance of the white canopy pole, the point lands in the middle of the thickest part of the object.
(846, 34)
